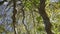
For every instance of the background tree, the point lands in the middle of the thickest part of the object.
(28, 18)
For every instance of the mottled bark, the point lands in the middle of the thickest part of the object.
(45, 17)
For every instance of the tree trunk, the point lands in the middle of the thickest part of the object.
(13, 17)
(45, 17)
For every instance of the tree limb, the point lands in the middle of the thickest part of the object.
(45, 17)
(13, 17)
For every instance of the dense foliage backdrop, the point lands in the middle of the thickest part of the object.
(25, 16)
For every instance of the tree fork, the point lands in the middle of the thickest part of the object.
(45, 17)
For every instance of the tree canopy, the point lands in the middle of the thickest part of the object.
(29, 16)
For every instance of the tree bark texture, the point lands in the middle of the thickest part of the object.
(13, 17)
(45, 17)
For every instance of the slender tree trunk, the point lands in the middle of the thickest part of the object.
(23, 12)
(24, 23)
(45, 17)
(13, 17)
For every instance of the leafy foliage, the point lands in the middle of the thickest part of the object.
(33, 21)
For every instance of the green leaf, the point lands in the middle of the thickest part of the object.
(38, 18)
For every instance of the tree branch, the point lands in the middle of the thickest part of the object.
(24, 18)
(13, 17)
(45, 17)
(23, 21)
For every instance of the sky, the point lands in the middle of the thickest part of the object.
(54, 0)
(7, 20)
